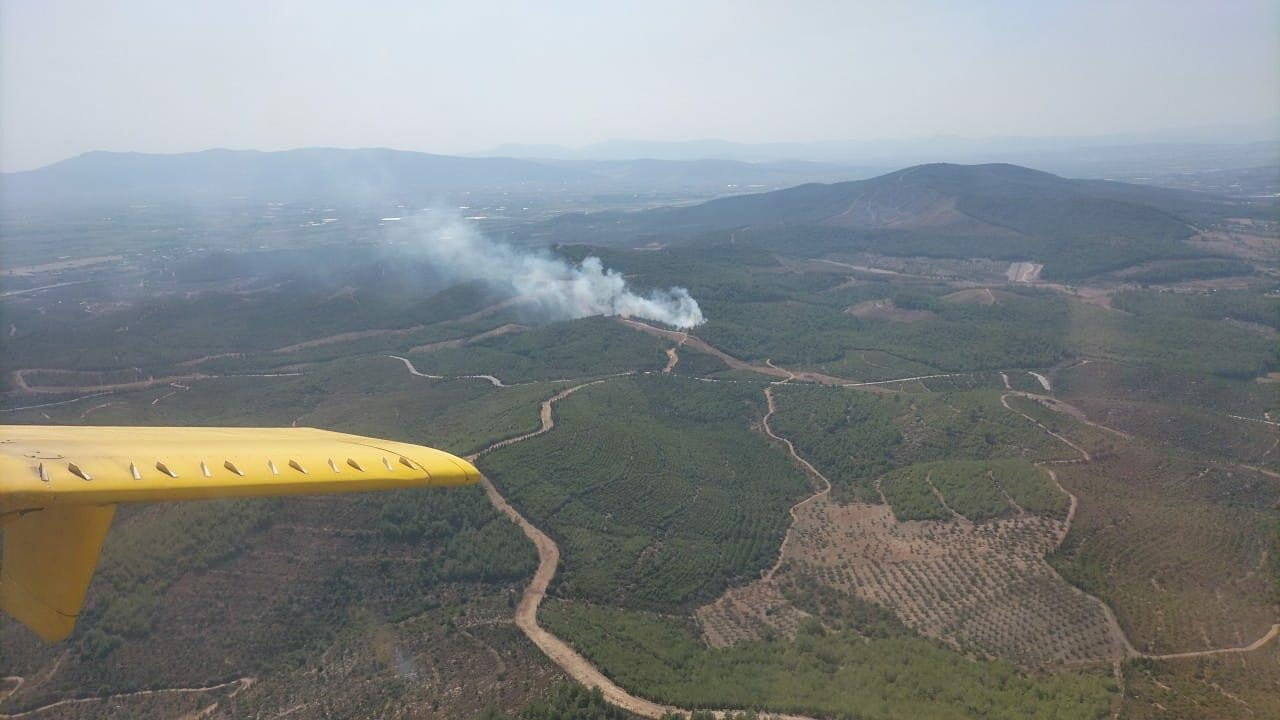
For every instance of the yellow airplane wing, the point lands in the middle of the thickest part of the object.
(59, 487)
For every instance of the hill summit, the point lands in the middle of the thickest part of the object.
(1001, 211)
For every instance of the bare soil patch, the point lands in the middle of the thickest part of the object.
(1024, 272)
(884, 309)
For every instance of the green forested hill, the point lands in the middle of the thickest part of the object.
(1077, 228)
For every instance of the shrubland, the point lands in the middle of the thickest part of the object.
(656, 488)
(820, 673)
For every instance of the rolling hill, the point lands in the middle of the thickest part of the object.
(996, 210)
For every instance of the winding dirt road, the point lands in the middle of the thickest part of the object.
(673, 354)
(582, 670)
(558, 651)
(826, 484)
(25, 388)
(1113, 623)
(697, 343)
(408, 364)
(240, 683)
(1272, 634)
(769, 369)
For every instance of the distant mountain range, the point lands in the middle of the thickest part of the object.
(694, 169)
(1135, 156)
(1077, 227)
(376, 176)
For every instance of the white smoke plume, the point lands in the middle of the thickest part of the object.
(561, 289)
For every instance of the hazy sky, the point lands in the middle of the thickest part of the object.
(464, 76)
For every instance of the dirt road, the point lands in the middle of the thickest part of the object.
(239, 683)
(768, 369)
(791, 449)
(1071, 513)
(408, 364)
(1113, 622)
(25, 388)
(673, 355)
(583, 671)
(558, 651)
(28, 291)
(701, 345)
(1272, 634)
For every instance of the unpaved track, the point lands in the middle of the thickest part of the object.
(27, 291)
(1111, 618)
(1067, 408)
(769, 369)
(558, 651)
(790, 375)
(581, 669)
(673, 355)
(1073, 503)
(408, 364)
(1044, 381)
(24, 388)
(672, 358)
(241, 683)
(17, 681)
(51, 404)
(99, 406)
(701, 345)
(1084, 454)
(791, 449)
(1272, 634)
(906, 379)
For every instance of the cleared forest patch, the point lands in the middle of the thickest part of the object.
(885, 309)
(751, 612)
(955, 549)
(980, 587)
